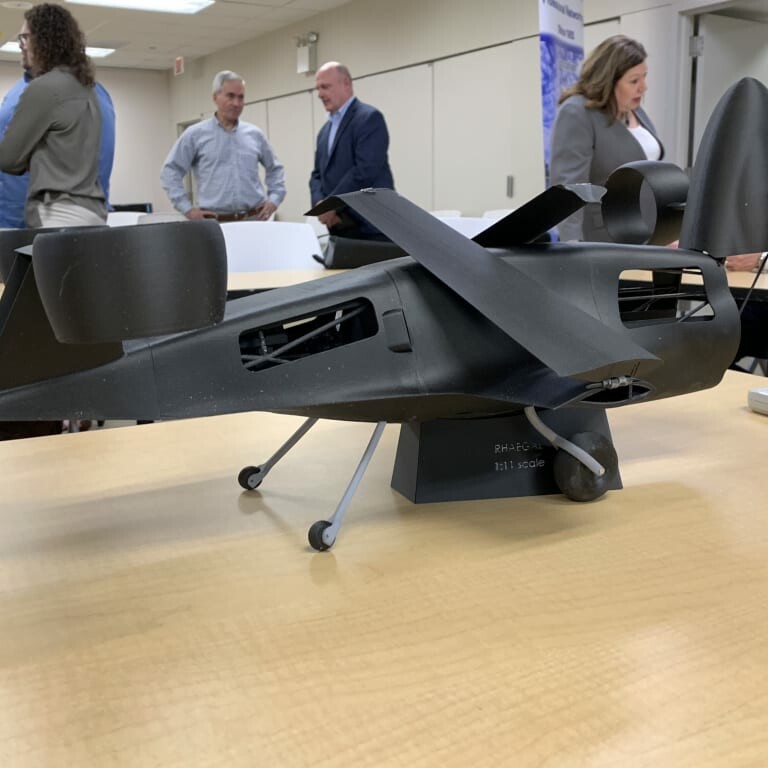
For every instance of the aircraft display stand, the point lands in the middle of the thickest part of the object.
(498, 457)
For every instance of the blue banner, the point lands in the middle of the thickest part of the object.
(561, 51)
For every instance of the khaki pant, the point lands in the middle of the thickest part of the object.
(66, 213)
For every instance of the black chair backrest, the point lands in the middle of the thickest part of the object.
(135, 207)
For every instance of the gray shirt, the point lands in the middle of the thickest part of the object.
(226, 167)
(587, 146)
(55, 134)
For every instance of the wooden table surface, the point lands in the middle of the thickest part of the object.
(240, 281)
(736, 280)
(278, 279)
(154, 614)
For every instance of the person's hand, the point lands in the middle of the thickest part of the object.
(265, 210)
(742, 262)
(673, 244)
(330, 219)
(193, 214)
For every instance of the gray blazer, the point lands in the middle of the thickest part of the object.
(588, 147)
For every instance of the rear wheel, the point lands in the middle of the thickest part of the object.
(574, 479)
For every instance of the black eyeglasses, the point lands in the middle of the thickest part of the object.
(23, 38)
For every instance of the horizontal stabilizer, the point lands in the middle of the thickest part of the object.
(564, 337)
(539, 215)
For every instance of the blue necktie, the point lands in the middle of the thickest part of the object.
(335, 120)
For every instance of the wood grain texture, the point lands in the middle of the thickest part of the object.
(154, 614)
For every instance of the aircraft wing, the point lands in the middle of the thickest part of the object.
(564, 337)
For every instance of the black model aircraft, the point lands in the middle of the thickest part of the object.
(458, 335)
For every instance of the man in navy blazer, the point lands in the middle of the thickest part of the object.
(351, 151)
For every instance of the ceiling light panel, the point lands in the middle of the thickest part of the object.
(94, 53)
(160, 6)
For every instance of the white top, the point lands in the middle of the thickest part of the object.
(647, 141)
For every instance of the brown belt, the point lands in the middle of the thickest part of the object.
(237, 216)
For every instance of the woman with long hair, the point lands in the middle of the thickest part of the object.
(56, 129)
(601, 125)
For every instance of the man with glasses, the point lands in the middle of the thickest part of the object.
(13, 189)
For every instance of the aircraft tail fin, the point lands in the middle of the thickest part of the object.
(726, 208)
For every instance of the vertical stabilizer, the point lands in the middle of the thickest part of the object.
(727, 207)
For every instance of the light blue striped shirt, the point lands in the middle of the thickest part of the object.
(225, 165)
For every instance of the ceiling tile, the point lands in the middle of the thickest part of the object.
(149, 40)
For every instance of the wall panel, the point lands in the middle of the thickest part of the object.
(290, 133)
(733, 48)
(488, 125)
(594, 34)
(405, 99)
(256, 114)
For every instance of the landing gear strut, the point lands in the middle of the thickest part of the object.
(322, 534)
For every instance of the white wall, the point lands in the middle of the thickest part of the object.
(487, 126)
(732, 49)
(405, 97)
(370, 36)
(289, 126)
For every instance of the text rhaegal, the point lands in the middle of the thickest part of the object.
(521, 446)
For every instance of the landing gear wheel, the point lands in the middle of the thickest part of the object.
(576, 481)
(315, 536)
(250, 478)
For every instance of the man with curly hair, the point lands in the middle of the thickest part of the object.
(56, 128)
(13, 188)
